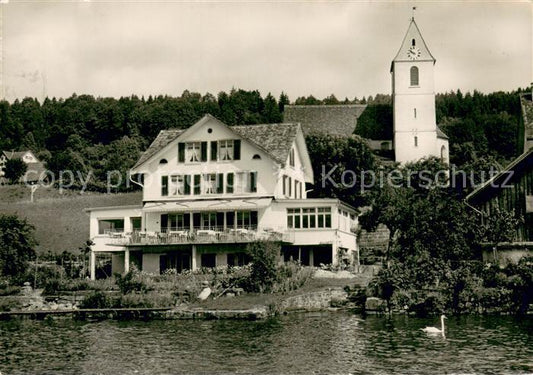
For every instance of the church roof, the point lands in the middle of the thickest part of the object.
(413, 34)
(441, 134)
(330, 119)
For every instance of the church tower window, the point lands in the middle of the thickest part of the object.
(414, 76)
(413, 43)
(416, 141)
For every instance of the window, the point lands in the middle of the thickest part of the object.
(110, 226)
(414, 110)
(210, 183)
(308, 218)
(416, 141)
(208, 260)
(293, 218)
(246, 219)
(413, 42)
(290, 186)
(178, 221)
(136, 223)
(177, 185)
(164, 186)
(240, 182)
(414, 76)
(209, 220)
(291, 157)
(324, 217)
(256, 157)
(163, 161)
(244, 182)
(238, 259)
(225, 150)
(193, 152)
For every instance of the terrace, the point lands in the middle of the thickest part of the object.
(194, 236)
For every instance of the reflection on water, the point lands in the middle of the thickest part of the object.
(299, 343)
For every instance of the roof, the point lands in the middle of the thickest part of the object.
(207, 205)
(440, 134)
(504, 177)
(275, 139)
(15, 154)
(161, 141)
(330, 119)
(107, 208)
(413, 33)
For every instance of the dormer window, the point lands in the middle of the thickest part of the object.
(163, 161)
(256, 157)
(291, 157)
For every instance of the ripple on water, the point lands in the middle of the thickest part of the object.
(299, 343)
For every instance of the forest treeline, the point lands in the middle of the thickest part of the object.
(84, 133)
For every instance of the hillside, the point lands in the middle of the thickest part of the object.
(59, 220)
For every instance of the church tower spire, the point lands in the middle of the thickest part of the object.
(415, 130)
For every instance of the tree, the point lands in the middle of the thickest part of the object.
(283, 101)
(375, 122)
(270, 112)
(500, 226)
(340, 165)
(264, 258)
(426, 218)
(16, 245)
(15, 169)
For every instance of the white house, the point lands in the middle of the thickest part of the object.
(211, 189)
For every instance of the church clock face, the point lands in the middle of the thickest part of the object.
(413, 53)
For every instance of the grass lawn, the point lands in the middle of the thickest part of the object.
(59, 220)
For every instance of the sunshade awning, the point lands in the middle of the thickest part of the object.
(208, 205)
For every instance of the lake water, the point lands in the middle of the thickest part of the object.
(298, 343)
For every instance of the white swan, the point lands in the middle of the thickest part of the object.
(434, 330)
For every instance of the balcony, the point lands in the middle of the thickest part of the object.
(196, 236)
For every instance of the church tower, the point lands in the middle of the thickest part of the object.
(416, 134)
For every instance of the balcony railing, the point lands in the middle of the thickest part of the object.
(198, 236)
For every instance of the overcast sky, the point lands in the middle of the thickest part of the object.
(118, 48)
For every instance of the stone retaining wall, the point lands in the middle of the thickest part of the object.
(313, 301)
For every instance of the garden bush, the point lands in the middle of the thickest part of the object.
(97, 300)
